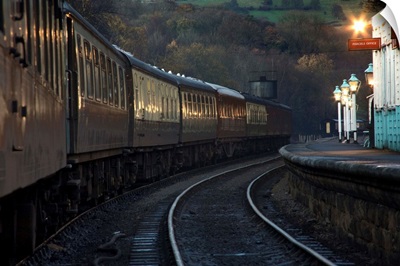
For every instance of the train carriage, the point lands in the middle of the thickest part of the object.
(97, 110)
(155, 120)
(156, 114)
(279, 124)
(199, 121)
(32, 118)
(97, 114)
(231, 127)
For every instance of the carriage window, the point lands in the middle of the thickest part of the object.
(110, 82)
(190, 106)
(153, 97)
(184, 105)
(37, 34)
(29, 28)
(115, 85)
(89, 70)
(50, 40)
(81, 65)
(45, 42)
(96, 84)
(136, 102)
(57, 61)
(171, 108)
(1, 17)
(122, 87)
(103, 77)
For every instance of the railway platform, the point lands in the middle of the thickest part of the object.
(349, 158)
(355, 189)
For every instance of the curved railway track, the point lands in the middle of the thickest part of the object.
(214, 222)
(133, 228)
(80, 241)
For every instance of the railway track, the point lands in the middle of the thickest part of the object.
(214, 222)
(133, 230)
(81, 240)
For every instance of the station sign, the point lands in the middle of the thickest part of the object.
(364, 44)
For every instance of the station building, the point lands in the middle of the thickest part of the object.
(385, 103)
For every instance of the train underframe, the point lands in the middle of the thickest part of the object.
(30, 215)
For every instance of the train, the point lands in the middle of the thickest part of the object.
(81, 120)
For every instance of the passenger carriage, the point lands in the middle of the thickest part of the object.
(32, 118)
(231, 127)
(97, 113)
(155, 120)
(199, 121)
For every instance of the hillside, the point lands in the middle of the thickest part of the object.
(272, 10)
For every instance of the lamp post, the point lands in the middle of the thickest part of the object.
(369, 78)
(369, 75)
(345, 88)
(338, 95)
(355, 84)
(343, 102)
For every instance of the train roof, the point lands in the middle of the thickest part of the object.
(259, 100)
(194, 83)
(226, 91)
(153, 70)
(176, 79)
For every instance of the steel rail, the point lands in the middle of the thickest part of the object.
(171, 229)
(310, 251)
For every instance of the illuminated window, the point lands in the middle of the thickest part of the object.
(89, 70)
(96, 74)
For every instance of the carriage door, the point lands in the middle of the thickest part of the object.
(74, 41)
(21, 88)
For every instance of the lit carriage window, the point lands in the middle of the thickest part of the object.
(194, 105)
(57, 60)
(110, 82)
(45, 42)
(207, 104)
(171, 108)
(17, 10)
(115, 85)
(203, 107)
(37, 37)
(170, 103)
(81, 65)
(89, 69)
(184, 104)
(1, 17)
(122, 87)
(189, 105)
(176, 97)
(146, 94)
(136, 102)
(165, 100)
(163, 114)
(154, 103)
(29, 28)
(50, 40)
(199, 106)
(136, 94)
(96, 84)
(103, 77)
(163, 103)
(212, 111)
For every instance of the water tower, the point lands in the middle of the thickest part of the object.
(263, 84)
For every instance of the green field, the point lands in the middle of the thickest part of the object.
(351, 8)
